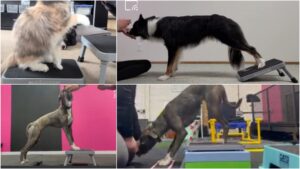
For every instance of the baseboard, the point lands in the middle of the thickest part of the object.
(216, 62)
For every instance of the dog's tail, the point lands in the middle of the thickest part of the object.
(225, 100)
(236, 58)
(8, 62)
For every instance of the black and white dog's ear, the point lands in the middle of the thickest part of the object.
(141, 17)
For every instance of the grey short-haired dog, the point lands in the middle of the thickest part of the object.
(60, 118)
(181, 112)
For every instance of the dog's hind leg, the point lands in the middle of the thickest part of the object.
(239, 43)
(260, 62)
(225, 126)
(32, 139)
(235, 39)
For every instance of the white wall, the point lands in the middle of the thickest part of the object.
(271, 26)
(153, 98)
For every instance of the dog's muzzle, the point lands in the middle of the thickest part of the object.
(66, 99)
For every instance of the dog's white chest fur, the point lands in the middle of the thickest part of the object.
(151, 26)
(70, 119)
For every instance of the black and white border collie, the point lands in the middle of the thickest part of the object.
(180, 32)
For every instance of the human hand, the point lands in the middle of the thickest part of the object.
(132, 145)
(122, 27)
(107, 87)
(71, 88)
(122, 24)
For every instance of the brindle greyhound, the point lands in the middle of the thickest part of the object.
(181, 112)
(60, 118)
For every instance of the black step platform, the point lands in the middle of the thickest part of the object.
(271, 65)
(195, 147)
(71, 74)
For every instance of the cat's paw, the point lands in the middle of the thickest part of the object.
(59, 66)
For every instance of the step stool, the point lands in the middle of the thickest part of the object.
(71, 74)
(71, 153)
(271, 65)
(104, 47)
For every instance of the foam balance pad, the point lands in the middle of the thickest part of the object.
(216, 156)
(71, 73)
(270, 65)
(281, 156)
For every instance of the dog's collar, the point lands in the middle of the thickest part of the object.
(154, 135)
(67, 107)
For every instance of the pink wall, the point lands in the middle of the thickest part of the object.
(274, 103)
(5, 116)
(94, 119)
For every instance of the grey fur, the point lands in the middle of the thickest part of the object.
(181, 112)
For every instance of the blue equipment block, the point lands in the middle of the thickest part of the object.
(233, 125)
(281, 156)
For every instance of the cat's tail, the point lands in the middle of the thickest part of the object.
(8, 62)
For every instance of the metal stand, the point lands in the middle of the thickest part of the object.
(104, 47)
(69, 156)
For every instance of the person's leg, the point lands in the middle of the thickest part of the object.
(122, 152)
(136, 125)
(132, 68)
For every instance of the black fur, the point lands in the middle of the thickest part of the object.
(70, 39)
(184, 31)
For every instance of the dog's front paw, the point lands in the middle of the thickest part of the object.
(82, 19)
(24, 161)
(261, 63)
(74, 147)
(165, 161)
(164, 77)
